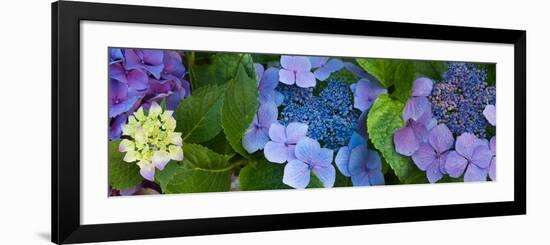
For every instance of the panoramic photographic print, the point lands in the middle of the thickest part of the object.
(195, 121)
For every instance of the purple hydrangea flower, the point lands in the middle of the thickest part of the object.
(173, 66)
(407, 140)
(135, 79)
(472, 158)
(310, 157)
(280, 148)
(365, 93)
(363, 165)
(144, 59)
(257, 134)
(493, 164)
(324, 67)
(490, 112)
(296, 69)
(418, 103)
(431, 156)
(136, 84)
(267, 82)
(115, 56)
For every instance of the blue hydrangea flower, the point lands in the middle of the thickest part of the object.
(115, 56)
(310, 157)
(324, 67)
(365, 167)
(490, 112)
(343, 155)
(362, 165)
(257, 135)
(471, 157)
(431, 156)
(267, 82)
(330, 115)
(280, 148)
(365, 93)
(460, 98)
(296, 69)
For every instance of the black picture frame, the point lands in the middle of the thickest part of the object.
(66, 18)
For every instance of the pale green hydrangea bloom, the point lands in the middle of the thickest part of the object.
(152, 141)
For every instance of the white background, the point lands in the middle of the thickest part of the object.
(25, 134)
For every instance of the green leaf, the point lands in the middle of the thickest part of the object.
(403, 79)
(220, 145)
(341, 180)
(382, 69)
(239, 107)
(199, 116)
(122, 175)
(262, 175)
(383, 120)
(203, 170)
(430, 69)
(314, 182)
(396, 73)
(343, 75)
(218, 68)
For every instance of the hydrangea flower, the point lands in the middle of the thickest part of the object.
(330, 115)
(267, 82)
(145, 59)
(493, 164)
(431, 156)
(257, 135)
(296, 69)
(362, 165)
(365, 93)
(324, 67)
(365, 167)
(120, 99)
(151, 140)
(134, 84)
(280, 148)
(471, 157)
(460, 98)
(418, 116)
(407, 140)
(418, 102)
(310, 157)
(343, 155)
(490, 112)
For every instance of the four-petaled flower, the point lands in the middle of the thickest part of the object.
(365, 93)
(473, 155)
(257, 134)
(310, 157)
(296, 69)
(324, 67)
(151, 140)
(431, 156)
(361, 164)
(267, 82)
(283, 141)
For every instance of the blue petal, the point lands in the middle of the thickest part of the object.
(326, 174)
(307, 149)
(296, 174)
(342, 160)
